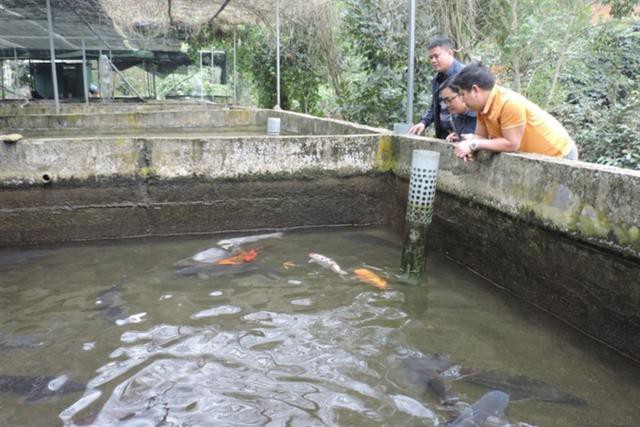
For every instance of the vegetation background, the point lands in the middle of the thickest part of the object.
(347, 59)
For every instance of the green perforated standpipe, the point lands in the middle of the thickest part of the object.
(422, 191)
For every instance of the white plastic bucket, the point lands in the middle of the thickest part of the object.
(273, 126)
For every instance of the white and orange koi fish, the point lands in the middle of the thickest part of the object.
(326, 262)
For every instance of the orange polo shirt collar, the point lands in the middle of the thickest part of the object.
(490, 99)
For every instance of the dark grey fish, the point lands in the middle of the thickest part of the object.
(109, 304)
(216, 270)
(521, 387)
(488, 410)
(367, 239)
(8, 341)
(427, 371)
(435, 362)
(35, 388)
(10, 259)
(435, 371)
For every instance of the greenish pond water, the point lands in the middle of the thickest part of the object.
(295, 346)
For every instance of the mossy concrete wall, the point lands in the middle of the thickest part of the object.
(562, 235)
(592, 203)
(129, 186)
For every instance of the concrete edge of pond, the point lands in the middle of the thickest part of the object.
(594, 203)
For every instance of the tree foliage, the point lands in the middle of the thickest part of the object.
(302, 69)
(603, 106)
(349, 59)
(375, 40)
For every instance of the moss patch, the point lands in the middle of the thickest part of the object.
(385, 159)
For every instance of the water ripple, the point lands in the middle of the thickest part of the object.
(275, 369)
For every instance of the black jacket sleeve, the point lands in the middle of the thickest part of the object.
(427, 119)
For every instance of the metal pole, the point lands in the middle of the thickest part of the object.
(235, 68)
(412, 28)
(212, 74)
(2, 76)
(277, 107)
(201, 81)
(85, 80)
(54, 73)
(155, 90)
(15, 70)
(147, 78)
(102, 98)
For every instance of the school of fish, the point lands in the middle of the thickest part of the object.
(211, 262)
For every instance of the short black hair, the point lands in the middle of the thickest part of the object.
(473, 74)
(449, 83)
(440, 41)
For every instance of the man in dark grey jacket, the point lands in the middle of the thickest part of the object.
(446, 66)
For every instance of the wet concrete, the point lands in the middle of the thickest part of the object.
(594, 290)
(155, 208)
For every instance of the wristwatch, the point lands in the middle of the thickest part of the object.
(473, 145)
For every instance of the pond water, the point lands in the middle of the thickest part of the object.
(130, 342)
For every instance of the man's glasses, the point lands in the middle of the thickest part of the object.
(450, 99)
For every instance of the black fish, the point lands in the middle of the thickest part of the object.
(488, 410)
(36, 388)
(217, 270)
(427, 371)
(521, 387)
(9, 259)
(109, 304)
(435, 370)
(8, 341)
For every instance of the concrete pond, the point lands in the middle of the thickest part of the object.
(563, 236)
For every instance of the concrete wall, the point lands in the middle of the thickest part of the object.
(17, 107)
(180, 118)
(128, 186)
(175, 116)
(561, 235)
(592, 203)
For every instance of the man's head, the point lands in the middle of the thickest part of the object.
(454, 102)
(474, 83)
(441, 54)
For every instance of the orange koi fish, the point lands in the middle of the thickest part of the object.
(242, 257)
(370, 277)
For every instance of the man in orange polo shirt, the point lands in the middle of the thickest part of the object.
(507, 121)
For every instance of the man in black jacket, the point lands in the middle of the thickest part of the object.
(446, 66)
